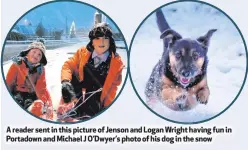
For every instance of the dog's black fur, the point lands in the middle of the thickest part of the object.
(183, 60)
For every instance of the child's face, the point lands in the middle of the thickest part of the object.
(101, 44)
(34, 55)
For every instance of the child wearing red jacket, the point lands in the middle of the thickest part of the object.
(91, 77)
(27, 83)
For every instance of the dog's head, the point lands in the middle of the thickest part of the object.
(186, 56)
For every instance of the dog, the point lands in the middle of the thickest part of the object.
(179, 79)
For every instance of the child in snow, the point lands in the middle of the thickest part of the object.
(27, 83)
(90, 78)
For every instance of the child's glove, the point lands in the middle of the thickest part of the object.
(19, 99)
(17, 59)
(67, 91)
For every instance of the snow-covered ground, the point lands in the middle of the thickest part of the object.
(227, 66)
(56, 59)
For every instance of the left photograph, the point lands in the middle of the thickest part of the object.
(64, 62)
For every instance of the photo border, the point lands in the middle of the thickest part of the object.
(245, 76)
(72, 1)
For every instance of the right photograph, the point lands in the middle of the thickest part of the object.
(188, 62)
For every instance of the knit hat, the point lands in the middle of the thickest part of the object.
(38, 45)
(100, 30)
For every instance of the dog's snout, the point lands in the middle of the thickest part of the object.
(185, 73)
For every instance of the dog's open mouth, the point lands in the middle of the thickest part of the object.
(184, 80)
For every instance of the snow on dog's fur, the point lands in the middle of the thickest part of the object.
(179, 79)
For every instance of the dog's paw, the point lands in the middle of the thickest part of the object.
(181, 101)
(151, 101)
(202, 97)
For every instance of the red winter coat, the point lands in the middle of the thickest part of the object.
(113, 80)
(18, 79)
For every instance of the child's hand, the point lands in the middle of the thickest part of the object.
(67, 91)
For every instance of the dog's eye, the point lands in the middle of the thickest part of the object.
(178, 55)
(195, 55)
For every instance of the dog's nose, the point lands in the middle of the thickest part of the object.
(185, 73)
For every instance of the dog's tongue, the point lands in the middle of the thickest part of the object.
(184, 80)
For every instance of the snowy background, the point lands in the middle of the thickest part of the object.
(56, 58)
(227, 65)
(55, 17)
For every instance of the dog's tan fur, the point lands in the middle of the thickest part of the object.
(172, 93)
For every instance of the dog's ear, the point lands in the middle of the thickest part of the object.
(171, 35)
(204, 40)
